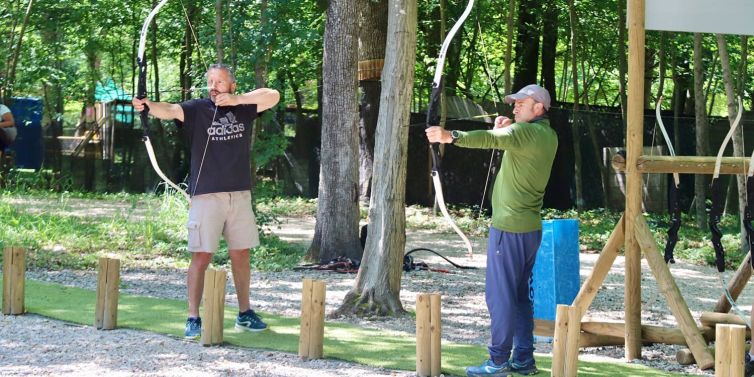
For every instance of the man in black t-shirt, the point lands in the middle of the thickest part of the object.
(219, 134)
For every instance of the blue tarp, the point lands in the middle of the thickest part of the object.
(29, 147)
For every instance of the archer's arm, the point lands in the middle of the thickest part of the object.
(161, 110)
(264, 98)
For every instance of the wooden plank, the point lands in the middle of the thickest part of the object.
(435, 325)
(735, 285)
(7, 286)
(317, 337)
(306, 322)
(560, 341)
(634, 147)
(209, 307)
(571, 366)
(423, 348)
(672, 294)
(722, 351)
(219, 306)
(99, 308)
(737, 340)
(601, 268)
(110, 313)
(647, 164)
(18, 281)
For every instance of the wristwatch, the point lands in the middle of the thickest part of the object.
(455, 135)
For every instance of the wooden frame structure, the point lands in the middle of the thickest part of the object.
(633, 234)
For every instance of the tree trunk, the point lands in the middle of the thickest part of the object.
(549, 47)
(378, 283)
(573, 20)
(509, 44)
(11, 77)
(187, 54)
(730, 93)
(260, 81)
(702, 131)
(372, 36)
(662, 65)
(219, 31)
(336, 231)
(622, 62)
(527, 44)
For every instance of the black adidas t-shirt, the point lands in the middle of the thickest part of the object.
(226, 136)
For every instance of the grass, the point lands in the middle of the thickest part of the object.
(148, 231)
(379, 348)
(71, 230)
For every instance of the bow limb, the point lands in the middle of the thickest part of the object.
(718, 196)
(141, 93)
(674, 206)
(433, 119)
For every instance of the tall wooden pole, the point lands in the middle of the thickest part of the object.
(634, 140)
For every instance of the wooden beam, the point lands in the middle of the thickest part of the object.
(735, 285)
(613, 331)
(673, 297)
(593, 283)
(683, 164)
(635, 142)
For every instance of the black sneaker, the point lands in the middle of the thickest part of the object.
(250, 321)
(527, 368)
(193, 328)
(748, 365)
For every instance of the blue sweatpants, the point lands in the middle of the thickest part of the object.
(510, 260)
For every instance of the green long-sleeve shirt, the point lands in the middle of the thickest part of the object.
(520, 185)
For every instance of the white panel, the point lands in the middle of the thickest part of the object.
(701, 16)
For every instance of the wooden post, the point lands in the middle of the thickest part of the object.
(559, 341)
(635, 142)
(435, 335)
(428, 335)
(729, 350)
(672, 294)
(572, 344)
(735, 285)
(601, 269)
(214, 307)
(14, 280)
(108, 285)
(565, 348)
(311, 338)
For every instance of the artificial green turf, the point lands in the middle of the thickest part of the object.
(388, 349)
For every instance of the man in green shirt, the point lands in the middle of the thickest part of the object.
(516, 232)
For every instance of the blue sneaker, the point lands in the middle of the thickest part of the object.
(250, 321)
(193, 328)
(490, 369)
(748, 365)
(527, 368)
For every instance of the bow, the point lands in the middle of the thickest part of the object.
(141, 93)
(718, 196)
(674, 206)
(433, 119)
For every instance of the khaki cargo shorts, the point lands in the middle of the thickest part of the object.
(224, 213)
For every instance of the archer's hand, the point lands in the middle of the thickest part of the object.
(139, 104)
(502, 122)
(226, 99)
(436, 134)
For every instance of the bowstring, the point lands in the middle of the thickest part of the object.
(494, 102)
(214, 114)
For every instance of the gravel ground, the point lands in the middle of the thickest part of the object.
(64, 349)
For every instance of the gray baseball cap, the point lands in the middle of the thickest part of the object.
(534, 91)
